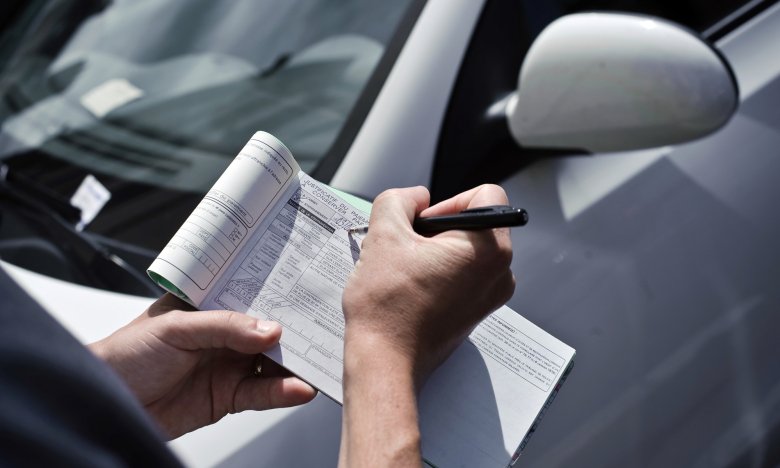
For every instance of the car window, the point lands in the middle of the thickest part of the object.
(206, 75)
(154, 99)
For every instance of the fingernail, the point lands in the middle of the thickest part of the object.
(266, 328)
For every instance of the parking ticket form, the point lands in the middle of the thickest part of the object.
(272, 242)
(294, 271)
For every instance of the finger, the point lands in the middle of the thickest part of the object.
(261, 393)
(484, 195)
(272, 369)
(398, 207)
(217, 329)
(166, 303)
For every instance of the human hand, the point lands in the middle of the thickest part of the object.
(189, 369)
(410, 301)
(413, 298)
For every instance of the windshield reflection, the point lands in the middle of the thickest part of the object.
(154, 99)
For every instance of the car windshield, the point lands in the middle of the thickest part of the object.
(154, 99)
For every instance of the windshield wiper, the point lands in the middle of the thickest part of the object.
(57, 218)
(30, 190)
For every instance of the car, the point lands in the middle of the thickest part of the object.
(658, 265)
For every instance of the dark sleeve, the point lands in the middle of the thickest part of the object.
(59, 405)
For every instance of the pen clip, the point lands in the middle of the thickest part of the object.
(491, 209)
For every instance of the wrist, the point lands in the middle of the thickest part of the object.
(368, 354)
(380, 405)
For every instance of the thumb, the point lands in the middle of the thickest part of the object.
(216, 329)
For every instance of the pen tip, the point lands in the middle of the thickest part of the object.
(357, 230)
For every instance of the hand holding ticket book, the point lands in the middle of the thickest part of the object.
(270, 241)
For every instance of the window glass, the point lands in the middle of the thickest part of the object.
(155, 98)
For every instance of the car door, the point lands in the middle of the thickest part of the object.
(658, 266)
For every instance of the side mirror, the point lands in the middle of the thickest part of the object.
(614, 82)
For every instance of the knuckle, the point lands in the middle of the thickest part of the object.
(504, 255)
(495, 191)
(388, 194)
(226, 321)
(503, 289)
(509, 287)
(268, 398)
(169, 321)
(228, 317)
(168, 326)
(498, 258)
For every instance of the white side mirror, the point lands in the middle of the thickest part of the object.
(614, 82)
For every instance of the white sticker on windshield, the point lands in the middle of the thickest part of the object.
(110, 95)
(90, 198)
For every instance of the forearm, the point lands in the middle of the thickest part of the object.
(380, 426)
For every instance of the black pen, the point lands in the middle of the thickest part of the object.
(483, 217)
